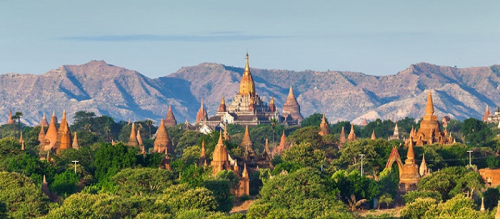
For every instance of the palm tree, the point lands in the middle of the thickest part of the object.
(274, 122)
(18, 116)
(149, 123)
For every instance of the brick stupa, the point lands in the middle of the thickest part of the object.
(162, 142)
(170, 118)
(292, 108)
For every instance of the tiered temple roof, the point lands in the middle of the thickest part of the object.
(429, 131)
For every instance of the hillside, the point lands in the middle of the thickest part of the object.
(121, 93)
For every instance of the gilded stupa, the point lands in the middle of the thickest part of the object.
(247, 107)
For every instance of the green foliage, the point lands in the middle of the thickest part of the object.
(65, 183)
(313, 120)
(492, 162)
(142, 181)
(21, 197)
(285, 166)
(389, 182)
(475, 132)
(376, 154)
(354, 187)
(188, 139)
(457, 207)
(451, 181)
(308, 135)
(305, 155)
(191, 155)
(222, 194)
(231, 177)
(91, 127)
(383, 129)
(411, 196)
(181, 197)
(301, 194)
(110, 159)
(194, 176)
(491, 196)
(418, 208)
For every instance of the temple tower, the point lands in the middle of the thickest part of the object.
(272, 106)
(162, 141)
(10, 120)
(292, 107)
(247, 85)
(373, 137)
(41, 135)
(132, 142)
(44, 120)
(51, 135)
(352, 135)
(247, 143)
(342, 138)
(222, 106)
(410, 173)
(202, 113)
(75, 143)
(170, 118)
(423, 167)
(220, 159)
(487, 114)
(63, 134)
(323, 127)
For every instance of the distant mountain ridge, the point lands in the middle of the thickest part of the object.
(121, 93)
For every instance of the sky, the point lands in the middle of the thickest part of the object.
(157, 37)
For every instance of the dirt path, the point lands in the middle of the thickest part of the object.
(241, 207)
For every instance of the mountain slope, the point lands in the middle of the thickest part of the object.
(121, 93)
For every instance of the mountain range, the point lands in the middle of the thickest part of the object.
(341, 95)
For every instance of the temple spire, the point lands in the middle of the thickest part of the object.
(41, 135)
(373, 137)
(247, 86)
(429, 108)
(222, 106)
(133, 137)
(44, 120)
(247, 142)
(410, 155)
(170, 120)
(162, 142)
(75, 143)
(292, 107)
(352, 134)
(10, 120)
(423, 167)
(487, 114)
(323, 127)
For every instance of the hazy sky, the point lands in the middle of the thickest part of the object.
(157, 38)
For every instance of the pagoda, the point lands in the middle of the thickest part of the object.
(429, 131)
(248, 109)
(170, 118)
(323, 127)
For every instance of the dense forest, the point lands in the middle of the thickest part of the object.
(311, 179)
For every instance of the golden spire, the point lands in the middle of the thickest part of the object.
(272, 100)
(429, 108)
(247, 86)
(247, 66)
(203, 148)
(410, 155)
(220, 139)
(222, 101)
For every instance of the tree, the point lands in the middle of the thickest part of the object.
(307, 135)
(353, 187)
(110, 159)
(149, 123)
(475, 132)
(21, 197)
(182, 197)
(301, 194)
(305, 155)
(65, 183)
(17, 116)
(313, 120)
(418, 208)
(143, 181)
